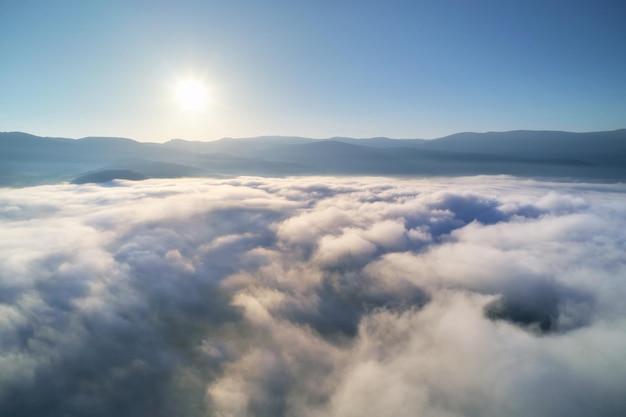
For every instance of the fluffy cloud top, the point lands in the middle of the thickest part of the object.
(478, 296)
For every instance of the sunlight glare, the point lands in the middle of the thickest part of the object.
(191, 94)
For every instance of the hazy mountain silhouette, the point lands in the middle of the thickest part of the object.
(598, 148)
(109, 175)
(27, 159)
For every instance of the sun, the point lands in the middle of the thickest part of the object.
(191, 94)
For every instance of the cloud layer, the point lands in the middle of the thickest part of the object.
(317, 296)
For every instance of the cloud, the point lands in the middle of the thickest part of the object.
(313, 296)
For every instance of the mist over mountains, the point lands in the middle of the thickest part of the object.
(29, 160)
(265, 288)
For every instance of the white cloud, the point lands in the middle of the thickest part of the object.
(318, 296)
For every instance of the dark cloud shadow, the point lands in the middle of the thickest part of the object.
(542, 306)
(342, 300)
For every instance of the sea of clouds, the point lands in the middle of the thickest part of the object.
(315, 296)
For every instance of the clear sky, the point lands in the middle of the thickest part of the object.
(315, 68)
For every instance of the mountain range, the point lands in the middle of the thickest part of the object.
(29, 160)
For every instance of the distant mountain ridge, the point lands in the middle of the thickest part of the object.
(27, 159)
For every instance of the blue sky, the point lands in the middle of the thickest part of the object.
(405, 69)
